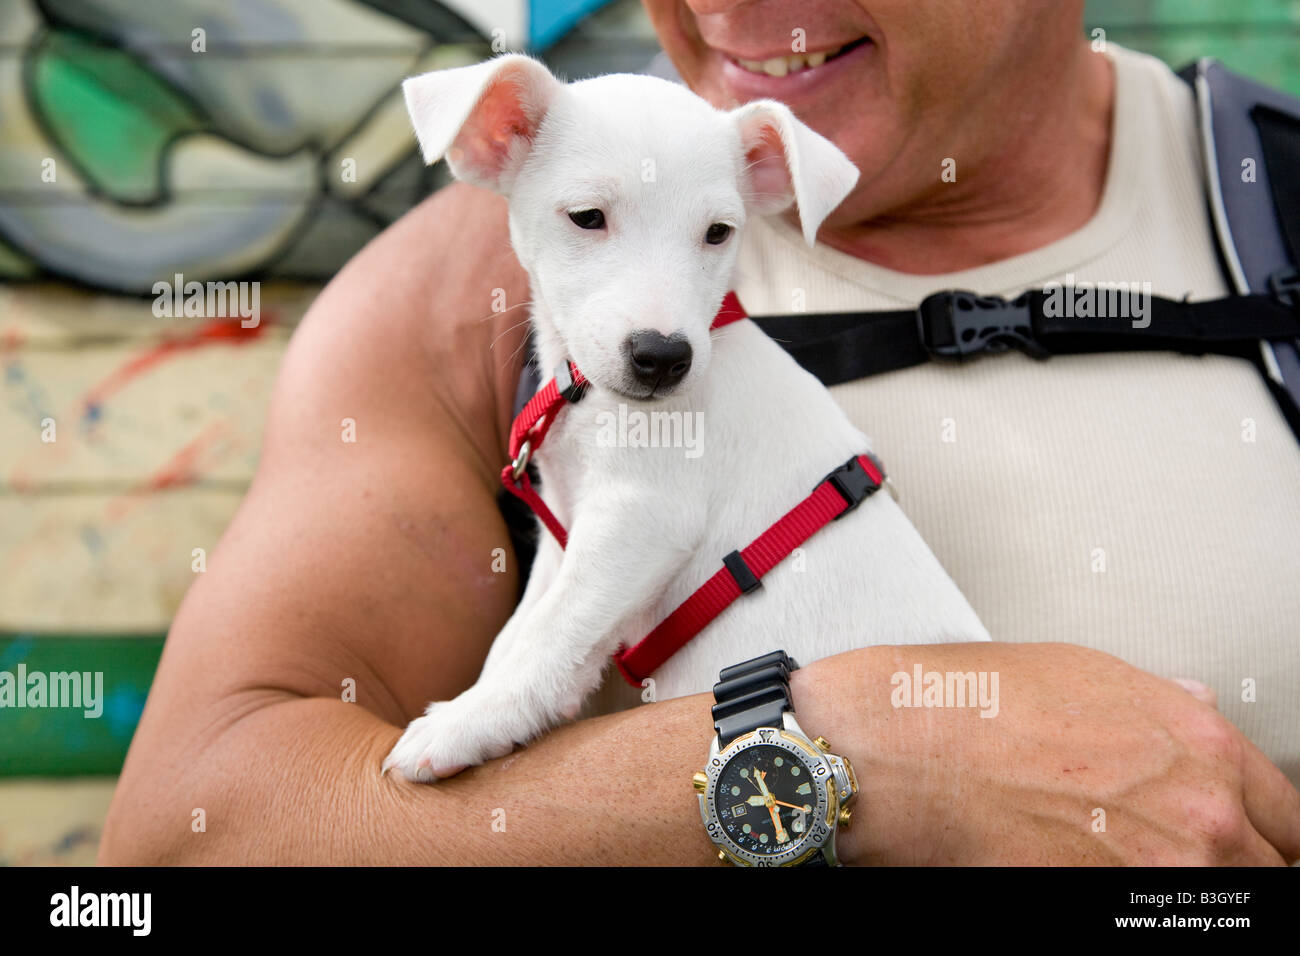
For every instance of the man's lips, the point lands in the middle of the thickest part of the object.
(781, 63)
(753, 79)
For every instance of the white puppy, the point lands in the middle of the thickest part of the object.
(627, 194)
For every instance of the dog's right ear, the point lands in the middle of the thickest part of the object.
(483, 118)
(787, 161)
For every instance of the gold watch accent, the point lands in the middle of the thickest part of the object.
(701, 782)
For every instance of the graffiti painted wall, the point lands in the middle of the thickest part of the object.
(144, 138)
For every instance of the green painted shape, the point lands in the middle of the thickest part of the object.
(108, 112)
(63, 741)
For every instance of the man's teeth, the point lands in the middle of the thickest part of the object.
(781, 65)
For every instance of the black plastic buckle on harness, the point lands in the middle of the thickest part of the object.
(1284, 286)
(569, 390)
(956, 323)
(853, 483)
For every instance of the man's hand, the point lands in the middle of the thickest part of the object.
(1089, 760)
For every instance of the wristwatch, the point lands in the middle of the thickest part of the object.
(770, 796)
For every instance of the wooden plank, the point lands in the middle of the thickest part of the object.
(49, 315)
(130, 401)
(104, 563)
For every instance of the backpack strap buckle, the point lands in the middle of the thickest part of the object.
(955, 324)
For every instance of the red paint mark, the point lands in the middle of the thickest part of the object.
(179, 470)
(217, 332)
(183, 466)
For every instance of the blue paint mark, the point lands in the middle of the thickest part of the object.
(93, 411)
(549, 20)
(272, 107)
(14, 372)
(122, 709)
(19, 647)
(91, 537)
(75, 838)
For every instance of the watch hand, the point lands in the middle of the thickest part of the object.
(781, 835)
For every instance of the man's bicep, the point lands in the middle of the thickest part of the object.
(373, 574)
(366, 548)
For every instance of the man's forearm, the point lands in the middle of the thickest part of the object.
(297, 781)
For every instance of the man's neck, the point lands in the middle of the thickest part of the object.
(1044, 185)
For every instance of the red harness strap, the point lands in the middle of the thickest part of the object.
(838, 493)
(527, 434)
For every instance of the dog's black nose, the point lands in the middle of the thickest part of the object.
(658, 361)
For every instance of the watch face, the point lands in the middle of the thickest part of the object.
(766, 799)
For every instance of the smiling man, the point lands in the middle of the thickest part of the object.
(998, 152)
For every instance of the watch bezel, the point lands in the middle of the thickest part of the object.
(819, 836)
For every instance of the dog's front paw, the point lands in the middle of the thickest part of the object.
(451, 736)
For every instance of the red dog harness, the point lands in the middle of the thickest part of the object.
(835, 495)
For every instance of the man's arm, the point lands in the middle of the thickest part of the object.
(373, 561)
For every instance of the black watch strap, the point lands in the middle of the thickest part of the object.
(752, 695)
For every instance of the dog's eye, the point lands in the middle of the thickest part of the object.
(588, 218)
(717, 234)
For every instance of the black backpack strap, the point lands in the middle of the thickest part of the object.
(1056, 320)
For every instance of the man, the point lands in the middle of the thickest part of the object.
(1063, 507)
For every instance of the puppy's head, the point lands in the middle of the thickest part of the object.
(627, 196)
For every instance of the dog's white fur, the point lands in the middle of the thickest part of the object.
(648, 525)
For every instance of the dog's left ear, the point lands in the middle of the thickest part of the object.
(483, 118)
(789, 161)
